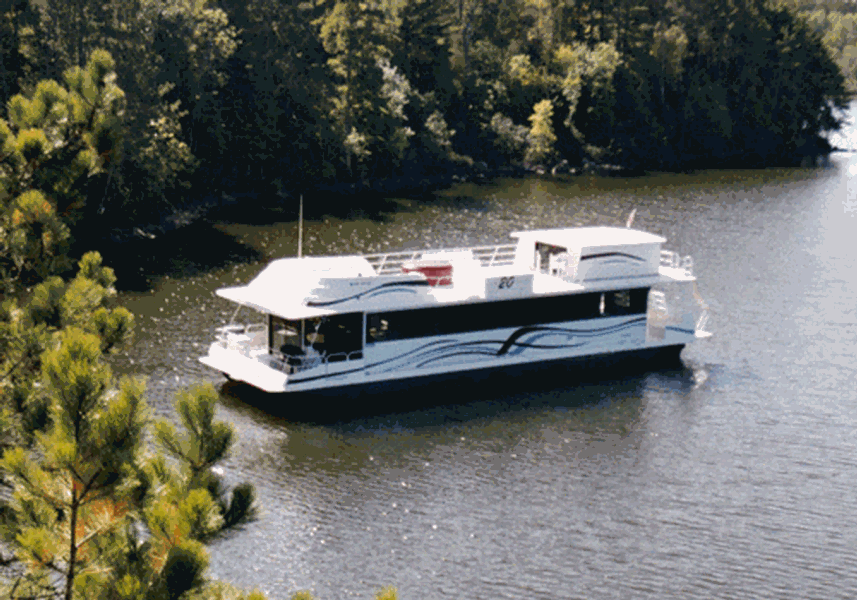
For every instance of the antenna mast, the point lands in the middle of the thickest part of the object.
(631, 219)
(301, 227)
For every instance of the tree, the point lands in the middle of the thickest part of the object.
(510, 140)
(436, 138)
(424, 54)
(356, 37)
(587, 73)
(18, 22)
(277, 121)
(170, 58)
(94, 512)
(30, 329)
(194, 41)
(73, 25)
(541, 140)
(56, 150)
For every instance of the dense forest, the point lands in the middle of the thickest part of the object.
(272, 98)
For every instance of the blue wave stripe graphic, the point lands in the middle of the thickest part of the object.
(394, 284)
(609, 254)
(681, 330)
(440, 350)
(511, 345)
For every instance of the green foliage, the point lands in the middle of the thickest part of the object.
(437, 137)
(586, 69)
(29, 331)
(241, 505)
(836, 23)
(204, 443)
(368, 94)
(266, 95)
(387, 593)
(94, 513)
(391, 131)
(163, 155)
(171, 58)
(670, 48)
(541, 140)
(74, 485)
(32, 143)
(509, 139)
(58, 143)
(183, 570)
(424, 52)
(17, 21)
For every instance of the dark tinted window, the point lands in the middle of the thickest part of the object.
(404, 324)
(337, 333)
(625, 302)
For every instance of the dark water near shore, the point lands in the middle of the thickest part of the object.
(732, 477)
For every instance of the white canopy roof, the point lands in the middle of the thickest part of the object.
(581, 237)
(282, 287)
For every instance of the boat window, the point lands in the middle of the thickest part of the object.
(284, 335)
(338, 337)
(546, 255)
(447, 320)
(376, 328)
(625, 302)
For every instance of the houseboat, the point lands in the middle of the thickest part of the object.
(551, 295)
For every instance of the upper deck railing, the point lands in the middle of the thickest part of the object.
(247, 339)
(488, 256)
(675, 260)
(251, 340)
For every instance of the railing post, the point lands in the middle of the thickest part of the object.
(687, 265)
(702, 321)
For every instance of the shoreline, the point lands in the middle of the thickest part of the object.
(186, 237)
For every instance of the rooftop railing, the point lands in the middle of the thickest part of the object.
(390, 263)
(674, 260)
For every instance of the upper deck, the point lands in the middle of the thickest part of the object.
(541, 262)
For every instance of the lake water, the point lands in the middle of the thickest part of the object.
(732, 477)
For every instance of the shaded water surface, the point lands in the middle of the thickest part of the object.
(732, 476)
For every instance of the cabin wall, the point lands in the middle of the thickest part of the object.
(509, 286)
(609, 262)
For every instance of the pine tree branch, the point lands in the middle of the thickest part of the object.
(13, 367)
(89, 536)
(53, 567)
(49, 591)
(56, 504)
(90, 485)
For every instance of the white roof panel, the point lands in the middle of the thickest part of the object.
(281, 287)
(579, 237)
(280, 305)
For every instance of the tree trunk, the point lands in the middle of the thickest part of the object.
(72, 551)
(465, 34)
